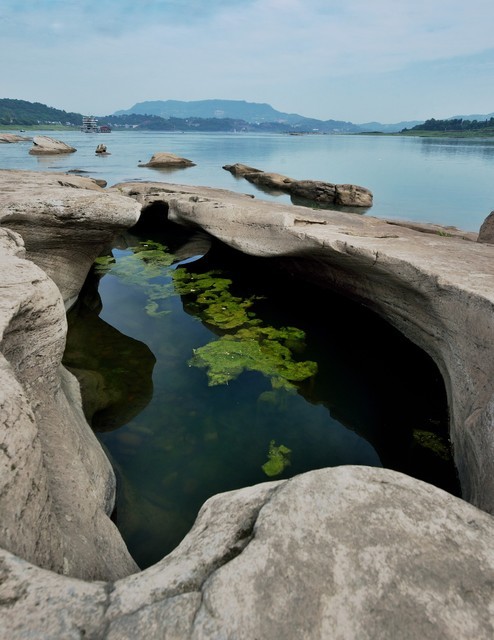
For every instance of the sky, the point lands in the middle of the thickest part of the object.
(355, 60)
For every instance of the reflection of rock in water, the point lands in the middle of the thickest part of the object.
(114, 370)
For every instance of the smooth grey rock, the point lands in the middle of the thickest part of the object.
(65, 221)
(57, 487)
(12, 137)
(44, 145)
(349, 552)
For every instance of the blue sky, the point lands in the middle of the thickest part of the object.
(356, 60)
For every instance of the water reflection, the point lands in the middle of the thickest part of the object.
(483, 149)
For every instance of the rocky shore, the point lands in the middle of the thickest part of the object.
(350, 552)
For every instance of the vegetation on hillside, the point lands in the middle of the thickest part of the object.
(457, 127)
(24, 113)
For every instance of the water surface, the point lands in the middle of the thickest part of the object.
(444, 181)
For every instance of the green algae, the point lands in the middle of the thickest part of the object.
(433, 443)
(247, 344)
(209, 297)
(278, 459)
(254, 348)
(149, 260)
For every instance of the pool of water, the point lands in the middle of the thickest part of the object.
(206, 370)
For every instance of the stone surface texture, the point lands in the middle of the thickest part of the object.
(56, 486)
(349, 552)
(44, 145)
(64, 220)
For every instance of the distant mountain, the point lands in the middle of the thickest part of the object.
(255, 113)
(250, 112)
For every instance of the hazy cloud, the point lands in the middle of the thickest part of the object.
(297, 55)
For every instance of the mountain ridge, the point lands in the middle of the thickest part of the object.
(253, 113)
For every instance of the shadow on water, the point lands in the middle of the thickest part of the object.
(220, 371)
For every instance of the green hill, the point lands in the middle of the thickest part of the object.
(22, 112)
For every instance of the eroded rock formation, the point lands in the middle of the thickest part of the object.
(350, 552)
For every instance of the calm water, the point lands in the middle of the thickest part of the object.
(178, 432)
(445, 181)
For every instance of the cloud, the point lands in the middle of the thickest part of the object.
(278, 51)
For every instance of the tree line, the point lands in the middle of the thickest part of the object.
(455, 124)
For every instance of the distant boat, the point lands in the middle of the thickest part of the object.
(90, 125)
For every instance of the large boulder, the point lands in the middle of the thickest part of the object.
(486, 232)
(44, 145)
(349, 552)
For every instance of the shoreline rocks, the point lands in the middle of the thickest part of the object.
(325, 193)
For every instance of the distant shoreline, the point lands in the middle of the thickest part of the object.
(461, 135)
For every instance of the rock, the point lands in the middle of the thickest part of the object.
(315, 191)
(12, 137)
(65, 221)
(101, 150)
(274, 181)
(57, 486)
(486, 232)
(240, 170)
(350, 552)
(43, 145)
(164, 160)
